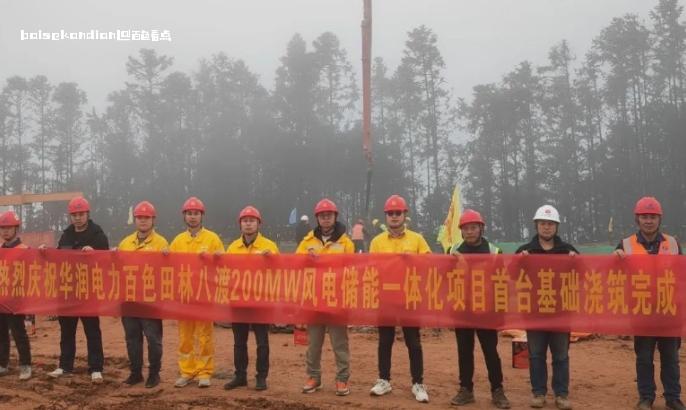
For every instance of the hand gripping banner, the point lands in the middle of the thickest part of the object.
(637, 295)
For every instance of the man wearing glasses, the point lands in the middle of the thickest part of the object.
(399, 239)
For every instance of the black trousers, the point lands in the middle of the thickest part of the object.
(414, 349)
(91, 326)
(15, 324)
(465, 356)
(134, 329)
(240, 349)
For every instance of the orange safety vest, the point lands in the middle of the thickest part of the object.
(668, 246)
(357, 233)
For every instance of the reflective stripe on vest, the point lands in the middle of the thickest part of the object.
(492, 249)
(668, 246)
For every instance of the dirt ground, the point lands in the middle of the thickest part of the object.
(602, 376)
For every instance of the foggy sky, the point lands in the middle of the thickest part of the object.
(480, 39)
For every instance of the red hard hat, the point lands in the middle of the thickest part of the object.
(9, 218)
(250, 211)
(648, 206)
(144, 208)
(395, 203)
(471, 216)
(325, 205)
(78, 204)
(193, 204)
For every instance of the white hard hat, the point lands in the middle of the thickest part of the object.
(304, 218)
(547, 213)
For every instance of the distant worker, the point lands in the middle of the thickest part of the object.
(358, 235)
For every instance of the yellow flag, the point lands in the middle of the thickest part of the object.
(450, 234)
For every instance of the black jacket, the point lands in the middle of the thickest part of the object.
(93, 236)
(559, 247)
(338, 230)
(12, 244)
(484, 247)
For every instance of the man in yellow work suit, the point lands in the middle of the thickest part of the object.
(328, 237)
(195, 239)
(399, 239)
(250, 242)
(144, 239)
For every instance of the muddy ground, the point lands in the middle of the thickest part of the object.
(602, 376)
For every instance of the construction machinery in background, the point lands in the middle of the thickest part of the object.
(367, 100)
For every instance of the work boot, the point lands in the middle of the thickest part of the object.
(563, 403)
(675, 405)
(204, 383)
(153, 380)
(538, 401)
(463, 396)
(260, 383)
(134, 378)
(499, 399)
(235, 382)
(644, 404)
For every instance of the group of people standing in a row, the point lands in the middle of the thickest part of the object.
(196, 339)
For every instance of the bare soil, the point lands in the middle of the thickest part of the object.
(602, 376)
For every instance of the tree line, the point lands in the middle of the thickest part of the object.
(590, 135)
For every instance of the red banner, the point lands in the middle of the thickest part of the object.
(638, 295)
